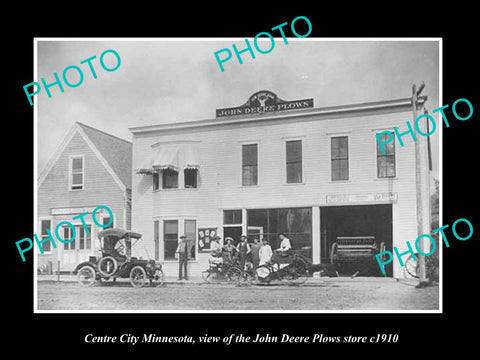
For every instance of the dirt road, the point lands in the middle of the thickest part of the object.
(328, 294)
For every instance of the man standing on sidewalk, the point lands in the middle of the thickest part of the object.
(243, 249)
(182, 250)
(255, 249)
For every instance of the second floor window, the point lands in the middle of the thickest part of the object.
(190, 178)
(249, 165)
(169, 179)
(76, 173)
(386, 162)
(294, 161)
(156, 180)
(339, 153)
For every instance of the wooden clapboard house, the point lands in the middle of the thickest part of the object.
(90, 168)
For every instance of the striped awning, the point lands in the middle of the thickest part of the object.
(189, 157)
(175, 156)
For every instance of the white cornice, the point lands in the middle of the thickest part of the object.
(326, 111)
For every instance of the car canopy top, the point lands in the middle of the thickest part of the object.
(113, 235)
(119, 233)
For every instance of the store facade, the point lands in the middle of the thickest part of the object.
(315, 174)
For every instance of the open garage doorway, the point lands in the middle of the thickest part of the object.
(356, 227)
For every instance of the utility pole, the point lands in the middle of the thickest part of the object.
(418, 186)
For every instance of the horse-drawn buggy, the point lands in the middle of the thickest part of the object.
(116, 261)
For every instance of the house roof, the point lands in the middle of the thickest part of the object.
(114, 153)
(117, 152)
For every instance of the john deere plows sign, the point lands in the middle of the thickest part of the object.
(265, 101)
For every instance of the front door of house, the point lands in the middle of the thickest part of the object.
(77, 250)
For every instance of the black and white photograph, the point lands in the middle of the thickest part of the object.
(222, 181)
(215, 185)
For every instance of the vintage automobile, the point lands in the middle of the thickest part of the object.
(116, 261)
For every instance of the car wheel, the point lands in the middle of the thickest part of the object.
(86, 276)
(138, 276)
(158, 278)
(107, 266)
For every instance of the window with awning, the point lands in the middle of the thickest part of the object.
(174, 156)
(171, 159)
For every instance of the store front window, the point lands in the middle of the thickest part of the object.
(232, 217)
(170, 239)
(295, 223)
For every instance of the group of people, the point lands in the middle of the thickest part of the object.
(259, 252)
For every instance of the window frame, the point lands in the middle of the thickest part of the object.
(44, 236)
(379, 155)
(244, 166)
(302, 175)
(233, 223)
(87, 238)
(181, 223)
(104, 217)
(156, 181)
(67, 246)
(347, 158)
(195, 171)
(267, 231)
(164, 221)
(156, 238)
(71, 173)
(163, 179)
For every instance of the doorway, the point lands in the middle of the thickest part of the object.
(357, 221)
(77, 250)
(232, 231)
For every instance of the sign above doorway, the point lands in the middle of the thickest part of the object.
(353, 198)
